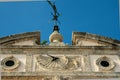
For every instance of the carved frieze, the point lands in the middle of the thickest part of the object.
(62, 62)
(57, 78)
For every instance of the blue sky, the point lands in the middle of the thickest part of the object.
(93, 16)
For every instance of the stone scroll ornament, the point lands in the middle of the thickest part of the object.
(57, 63)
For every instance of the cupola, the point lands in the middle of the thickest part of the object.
(56, 36)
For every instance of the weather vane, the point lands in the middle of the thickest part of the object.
(56, 14)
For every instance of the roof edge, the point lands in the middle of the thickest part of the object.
(14, 37)
(97, 37)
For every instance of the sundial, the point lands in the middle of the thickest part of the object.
(58, 62)
(53, 62)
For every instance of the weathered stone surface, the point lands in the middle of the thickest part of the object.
(73, 62)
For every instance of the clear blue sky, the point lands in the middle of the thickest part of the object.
(93, 16)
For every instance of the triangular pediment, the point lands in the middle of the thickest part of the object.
(29, 38)
(87, 39)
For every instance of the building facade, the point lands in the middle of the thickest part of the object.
(90, 57)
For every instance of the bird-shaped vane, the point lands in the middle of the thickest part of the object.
(56, 14)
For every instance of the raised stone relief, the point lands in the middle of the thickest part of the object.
(58, 78)
(63, 62)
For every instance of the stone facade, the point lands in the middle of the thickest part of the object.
(90, 57)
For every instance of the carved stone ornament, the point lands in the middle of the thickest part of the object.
(58, 78)
(10, 63)
(57, 63)
(105, 64)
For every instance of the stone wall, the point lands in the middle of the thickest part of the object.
(78, 62)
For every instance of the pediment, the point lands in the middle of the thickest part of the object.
(28, 42)
(87, 39)
(29, 38)
(89, 43)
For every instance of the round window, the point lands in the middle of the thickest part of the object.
(104, 63)
(10, 63)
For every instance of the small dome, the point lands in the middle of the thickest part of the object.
(55, 37)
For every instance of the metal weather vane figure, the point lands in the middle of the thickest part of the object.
(56, 14)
